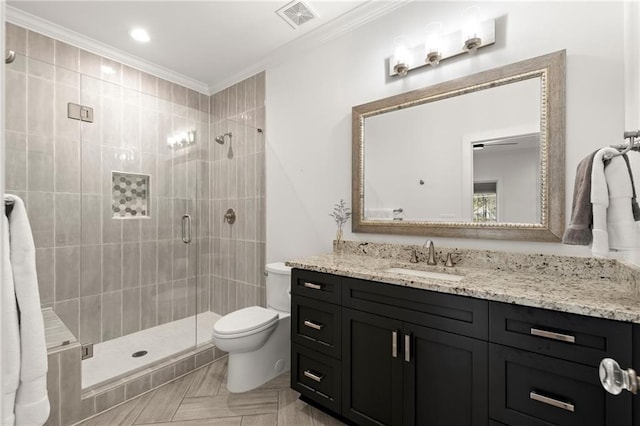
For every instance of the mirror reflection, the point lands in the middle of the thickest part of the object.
(428, 162)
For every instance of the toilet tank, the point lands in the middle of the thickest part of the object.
(278, 286)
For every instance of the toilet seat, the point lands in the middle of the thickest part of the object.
(245, 321)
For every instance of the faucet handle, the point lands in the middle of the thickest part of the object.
(414, 255)
(449, 263)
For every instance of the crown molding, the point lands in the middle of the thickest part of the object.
(351, 20)
(58, 32)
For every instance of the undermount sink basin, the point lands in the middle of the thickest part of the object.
(426, 274)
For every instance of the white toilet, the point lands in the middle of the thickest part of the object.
(256, 338)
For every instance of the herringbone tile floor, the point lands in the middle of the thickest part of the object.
(201, 398)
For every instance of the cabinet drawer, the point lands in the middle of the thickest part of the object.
(316, 376)
(562, 335)
(530, 389)
(316, 325)
(456, 314)
(316, 285)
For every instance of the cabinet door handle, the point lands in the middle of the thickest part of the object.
(314, 325)
(407, 347)
(316, 377)
(553, 335)
(551, 401)
(313, 286)
(394, 344)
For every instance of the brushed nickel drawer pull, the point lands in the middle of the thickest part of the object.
(313, 286)
(553, 335)
(316, 377)
(550, 401)
(394, 344)
(314, 325)
(407, 347)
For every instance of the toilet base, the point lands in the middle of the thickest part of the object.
(248, 370)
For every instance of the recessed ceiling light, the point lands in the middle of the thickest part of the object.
(139, 34)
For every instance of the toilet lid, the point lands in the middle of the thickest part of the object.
(245, 320)
(278, 268)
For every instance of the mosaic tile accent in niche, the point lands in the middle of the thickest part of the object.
(130, 195)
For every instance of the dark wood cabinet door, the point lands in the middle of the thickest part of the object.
(445, 379)
(372, 375)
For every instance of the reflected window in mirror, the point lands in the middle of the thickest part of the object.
(485, 201)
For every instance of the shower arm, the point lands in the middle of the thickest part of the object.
(9, 57)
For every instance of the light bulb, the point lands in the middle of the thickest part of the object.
(433, 44)
(401, 55)
(471, 29)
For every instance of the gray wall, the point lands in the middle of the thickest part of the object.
(108, 277)
(237, 181)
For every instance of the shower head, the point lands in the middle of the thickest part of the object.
(220, 139)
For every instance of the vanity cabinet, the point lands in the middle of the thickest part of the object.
(382, 354)
(401, 356)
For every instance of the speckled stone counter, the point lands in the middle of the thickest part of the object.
(602, 288)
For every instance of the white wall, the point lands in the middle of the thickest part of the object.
(518, 189)
(309, 100)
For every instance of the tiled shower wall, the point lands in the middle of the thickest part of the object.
(237, 182)
(108, 277)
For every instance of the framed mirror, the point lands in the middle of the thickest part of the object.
(477, 157)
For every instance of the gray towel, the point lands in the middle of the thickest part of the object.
(579, 230)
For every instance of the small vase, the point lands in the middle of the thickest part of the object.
(337, 243)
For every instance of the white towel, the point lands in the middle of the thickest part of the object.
(10, 345)
(378, 214)
(611, 192)
(32, 402)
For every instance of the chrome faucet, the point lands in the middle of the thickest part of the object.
(431, 257)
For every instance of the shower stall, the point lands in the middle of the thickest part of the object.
(126, 192)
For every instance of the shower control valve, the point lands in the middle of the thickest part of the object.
(230, 216)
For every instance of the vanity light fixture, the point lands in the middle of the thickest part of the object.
(106, 69)
(181, 140)
(140, 34)
(438, 46)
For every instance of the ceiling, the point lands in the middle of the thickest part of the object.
(206, 45)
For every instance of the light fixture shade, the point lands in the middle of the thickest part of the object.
(401, 55)
(471, 29)
(433, 43)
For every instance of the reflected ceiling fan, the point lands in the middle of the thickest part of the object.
(484, 145)
(511, 140)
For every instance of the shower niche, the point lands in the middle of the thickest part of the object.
(130, 195)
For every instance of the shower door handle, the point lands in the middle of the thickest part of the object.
(186, 228)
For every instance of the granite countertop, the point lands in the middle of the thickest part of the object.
(605, 289)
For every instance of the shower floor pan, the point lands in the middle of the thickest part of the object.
(113, 359)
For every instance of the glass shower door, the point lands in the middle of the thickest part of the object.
(139, 218)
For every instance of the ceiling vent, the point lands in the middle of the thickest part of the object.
(296, 13)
